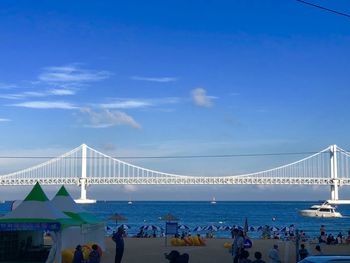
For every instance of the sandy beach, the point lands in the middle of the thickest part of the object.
(152, 250)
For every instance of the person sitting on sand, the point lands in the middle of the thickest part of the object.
(258, 257)
(175, 257)
(318, 251)
(330, 240)
(340, 239)
(244, 257)
(348, 238)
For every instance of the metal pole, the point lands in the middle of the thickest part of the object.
(297, 245)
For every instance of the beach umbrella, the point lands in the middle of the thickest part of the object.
(117, 217)
(150, 228)
(126, 227)
(251, 228)
(260, 228)
(169, 217)
(285, 229)
(198, 228)
(211, 228)
(183, 227)
(224, 228)
(274, 229)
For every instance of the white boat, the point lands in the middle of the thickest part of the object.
(129, 203)
(213, 201)
(323, 210)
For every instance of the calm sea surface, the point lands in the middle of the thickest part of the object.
(194, 214)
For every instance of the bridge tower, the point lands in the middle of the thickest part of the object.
(83, 179)
(334, 173)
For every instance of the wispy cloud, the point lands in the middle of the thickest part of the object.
(201, 99)
(129, 103)
(46, 105)
(33, 94)
(155, 79)
(4, 120)
(107, 118)
(72, 74)
(7, 86)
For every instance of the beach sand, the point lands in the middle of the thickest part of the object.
(151, 250)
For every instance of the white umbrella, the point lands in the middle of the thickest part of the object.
(211, 228)
(183, 227)
(198, 228)
(126, 227)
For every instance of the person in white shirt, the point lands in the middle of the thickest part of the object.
(274, 256)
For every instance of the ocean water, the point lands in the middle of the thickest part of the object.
(229, 213)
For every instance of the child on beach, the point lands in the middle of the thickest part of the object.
(94, 256)
(78, 255)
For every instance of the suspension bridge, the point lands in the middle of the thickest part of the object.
(85, 166)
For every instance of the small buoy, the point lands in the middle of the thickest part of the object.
(274, 219)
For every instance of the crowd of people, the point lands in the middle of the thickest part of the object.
(330, 239)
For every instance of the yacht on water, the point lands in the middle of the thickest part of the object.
(130, 203)
(213, 201)
(323, 210)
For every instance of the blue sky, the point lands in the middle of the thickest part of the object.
(175, 78)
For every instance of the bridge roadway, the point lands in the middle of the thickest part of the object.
(177, 180)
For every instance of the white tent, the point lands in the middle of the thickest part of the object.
(35, 215)
(90, 230)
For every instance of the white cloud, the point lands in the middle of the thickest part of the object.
(126, 104)
(61, 92)
(155, 79)
(107, 118)
(7, 86)
(46, 105)
(4, 120)
(138, 103)
(72, 74)
(29, 94)
(201, 99)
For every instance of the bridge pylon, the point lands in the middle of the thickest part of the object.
(334, 173)
(83, 179)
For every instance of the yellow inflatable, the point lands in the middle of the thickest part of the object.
(67, 255)
(227, 245)
(195, 241)
(173, 241)
(86, 251)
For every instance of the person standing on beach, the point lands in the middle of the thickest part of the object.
(78, 255)
(119, 244)
(303, 253)
(274, 255)
(237, 245)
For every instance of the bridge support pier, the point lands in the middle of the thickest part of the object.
(334, 174)
(83, 180)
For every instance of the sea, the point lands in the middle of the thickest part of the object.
(223, 213)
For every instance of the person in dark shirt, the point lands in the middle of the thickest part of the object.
(78, 255)
(303, 253)
(94, 256)
(119, 244)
